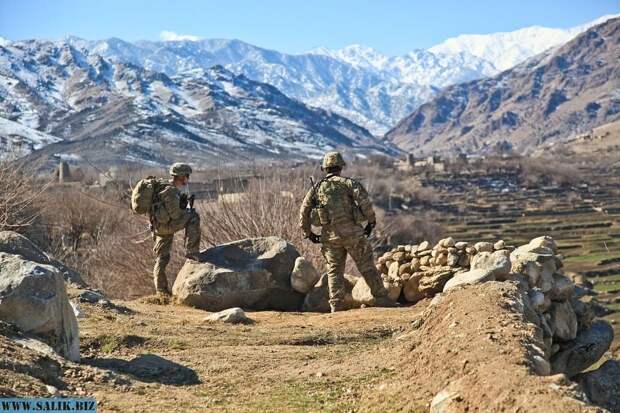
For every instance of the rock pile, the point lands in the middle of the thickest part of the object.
(422, 271)
(573, 339)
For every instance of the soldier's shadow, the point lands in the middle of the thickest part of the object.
(149, 368)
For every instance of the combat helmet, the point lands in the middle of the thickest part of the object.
(332, 159)
(180, 169)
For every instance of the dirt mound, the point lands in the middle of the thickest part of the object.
(477, 351)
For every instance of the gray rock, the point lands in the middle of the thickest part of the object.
(497, 263)
(411, 289)
(232, 315)
(541, 366)
(304, 276)
(483, 246)
(477, 276)
(250, 273)
(585, 350)
(562, 288)
(424, 245)
(563, 321)
(317, 299)
(448, 400)
(361, 291)
(585, 313)
(499, 245)
(16, 244)
(545, 242)
(602, 386)
(33, 296)
(433, 281)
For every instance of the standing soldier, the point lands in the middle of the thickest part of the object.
(339, 205)
(171, 215)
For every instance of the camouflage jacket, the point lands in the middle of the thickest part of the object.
(345, 202)
(168, 204)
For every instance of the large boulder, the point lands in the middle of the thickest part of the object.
(16, 244)
(585, 350)
(411, 288)
(304, 276)
(602, 386)
(497, 262)
(251, 273)
(317, 299)
(477, 276)
(563, 321)
(433, 280)
(362, 295)
(33, 297)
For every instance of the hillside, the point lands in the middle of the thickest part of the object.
(372, 89)
(547, 98)
(111, 112)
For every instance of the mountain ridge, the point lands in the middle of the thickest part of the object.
(117, 112)
(555, 94)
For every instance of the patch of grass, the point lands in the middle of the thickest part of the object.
(607, 287)
(614, 307)
(177, 344)
(600, 280)
(110, 343)
(324, 394)
(589, 258)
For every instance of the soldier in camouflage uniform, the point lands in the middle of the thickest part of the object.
(339, 205)
(171, 215)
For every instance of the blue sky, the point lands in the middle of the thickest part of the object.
(390, 26)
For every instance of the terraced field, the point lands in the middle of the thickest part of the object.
(584, 219)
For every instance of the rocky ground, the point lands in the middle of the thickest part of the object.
(505, 331)
(168, 358)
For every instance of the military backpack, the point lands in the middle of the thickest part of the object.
(144, 195)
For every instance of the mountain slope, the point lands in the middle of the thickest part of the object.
(505, 50)
(365, 96)
(551, 96)
(112, 112)
(17, 140)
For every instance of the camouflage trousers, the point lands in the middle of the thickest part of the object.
(163, 237)
(335, 254)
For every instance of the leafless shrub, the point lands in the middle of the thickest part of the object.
(541, 171)
(95, 232)
(270, 207)
(19, 191)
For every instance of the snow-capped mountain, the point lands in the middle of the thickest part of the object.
(505, 50)
(17, 140)
(362, 84)
(110, 112)
(550, 97)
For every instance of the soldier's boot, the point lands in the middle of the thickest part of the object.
(336, 306)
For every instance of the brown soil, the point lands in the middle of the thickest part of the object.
(166, 358)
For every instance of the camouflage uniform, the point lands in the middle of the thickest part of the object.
(346, 204)
(169, 218)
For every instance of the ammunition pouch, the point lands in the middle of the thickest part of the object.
(319, 216)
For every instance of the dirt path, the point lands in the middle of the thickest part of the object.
(166, 358)
(283, 362)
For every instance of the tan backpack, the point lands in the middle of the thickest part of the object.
(143, 195)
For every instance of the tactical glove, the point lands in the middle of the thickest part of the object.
(314, 238)
(369, 227)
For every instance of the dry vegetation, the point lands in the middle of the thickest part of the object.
(93, 230)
